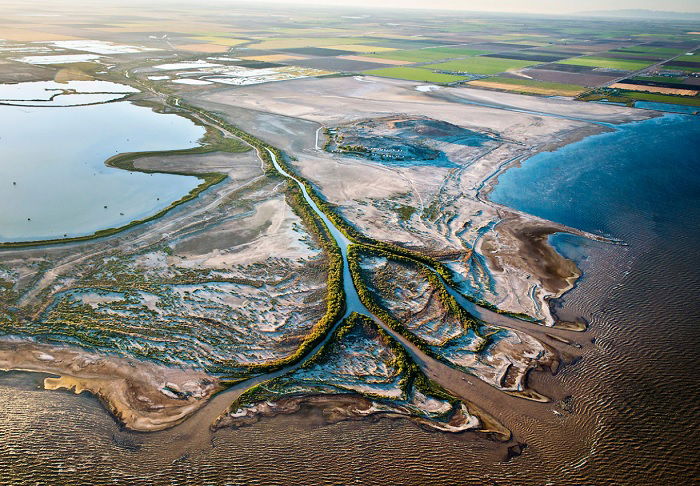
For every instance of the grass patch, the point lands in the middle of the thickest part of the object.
(482, 65)
(603, 62)
(415, 74)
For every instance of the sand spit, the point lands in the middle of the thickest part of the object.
(143, 396)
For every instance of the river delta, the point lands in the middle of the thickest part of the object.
(194, 272)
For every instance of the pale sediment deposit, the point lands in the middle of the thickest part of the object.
(141, 395)
(437, 205)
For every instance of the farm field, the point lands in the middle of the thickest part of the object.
(608, 63)
(529, 86)
(481, 65)
(415, 74)
(430, 54)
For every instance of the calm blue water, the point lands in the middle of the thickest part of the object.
(644, 174)
(673, 108)
(53, 180)
(638, 382)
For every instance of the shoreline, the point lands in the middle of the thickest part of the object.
(141, 395)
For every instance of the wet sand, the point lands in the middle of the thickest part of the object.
(141, 395)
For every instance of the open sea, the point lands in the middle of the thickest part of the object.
(632, 401)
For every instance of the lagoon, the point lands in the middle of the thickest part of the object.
(53, 178)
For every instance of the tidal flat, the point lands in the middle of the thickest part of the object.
(511, 329)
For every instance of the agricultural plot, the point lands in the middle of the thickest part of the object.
(221, 41)
(529, 86)
(661, 51)
(405, 43)
(364, 49)
(415, 74)
(208, 48)
(529, 56)
(687, 66)
(607, 63)
(316, 51)
(430, 54)
(675, 90)
(661, 81)
(570, 68)
(293, 43)
(481, 65)
(632, 56)
(337, 64)
(580, 79)
(690, 57)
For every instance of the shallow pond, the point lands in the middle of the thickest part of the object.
(53, 180)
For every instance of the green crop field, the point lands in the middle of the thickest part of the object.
(429, 54)
(602, 62)
(482, 65)
(414, 74)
